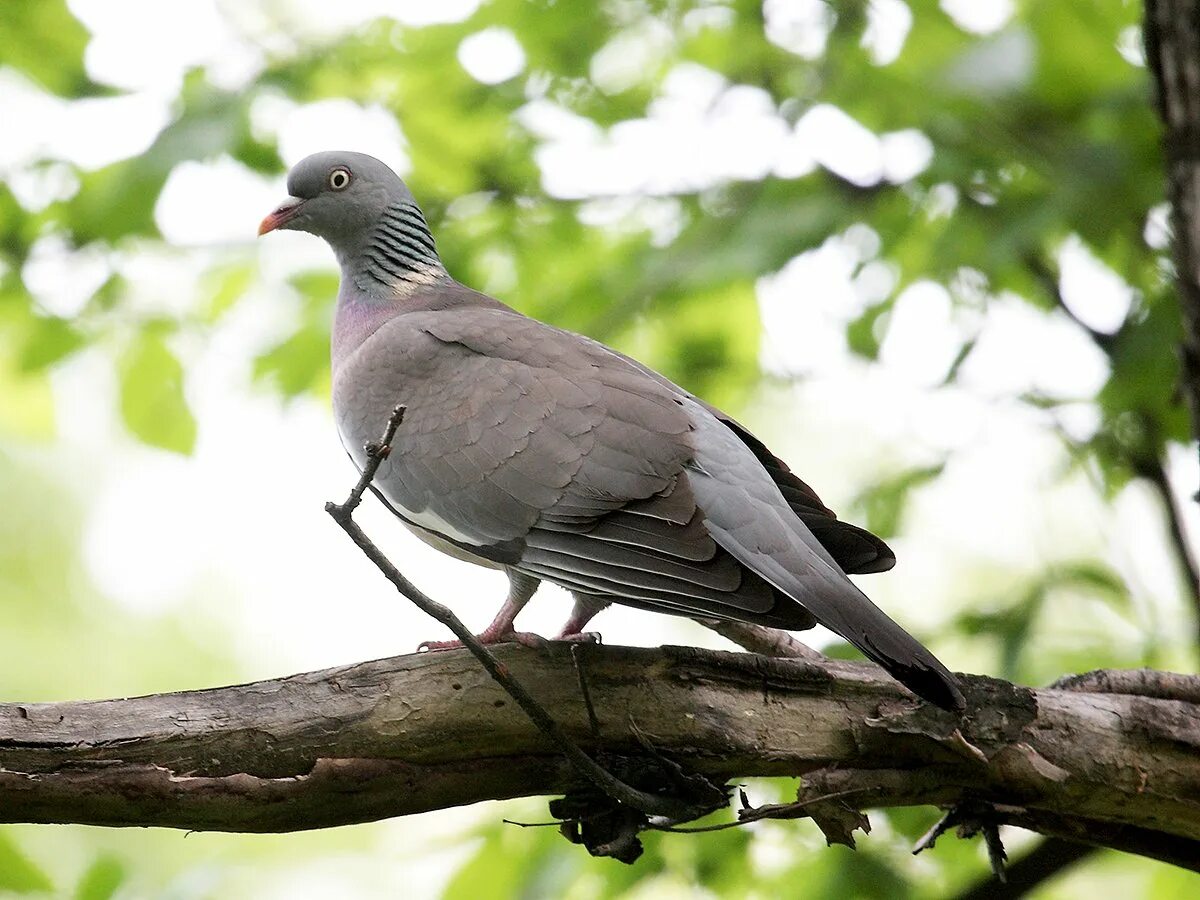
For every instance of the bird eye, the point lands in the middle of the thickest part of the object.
(339, 179)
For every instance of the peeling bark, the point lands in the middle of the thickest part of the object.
(429, 731)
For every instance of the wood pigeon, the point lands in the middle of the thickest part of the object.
(546, 454)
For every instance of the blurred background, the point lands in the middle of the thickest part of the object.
(920, 248)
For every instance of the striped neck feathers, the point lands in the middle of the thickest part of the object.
(399, 255)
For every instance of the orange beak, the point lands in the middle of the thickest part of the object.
(283, 214)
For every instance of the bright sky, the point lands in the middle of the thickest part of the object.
(297, 595)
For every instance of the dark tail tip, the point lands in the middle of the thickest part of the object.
(934, 684)
(910, 663)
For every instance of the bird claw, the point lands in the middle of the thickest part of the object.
(524, 638)
(581, 637)
(427, 646)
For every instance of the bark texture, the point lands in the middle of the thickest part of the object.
(428, 731)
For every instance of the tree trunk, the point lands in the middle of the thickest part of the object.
(1173, 53)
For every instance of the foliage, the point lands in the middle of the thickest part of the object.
(17, 874)
(1040, 132)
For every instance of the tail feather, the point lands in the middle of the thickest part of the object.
(919, 671)
(830, 596)
(746, 514)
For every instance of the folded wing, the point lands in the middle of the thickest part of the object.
(589, 472)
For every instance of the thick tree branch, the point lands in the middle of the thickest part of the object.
(429, 731)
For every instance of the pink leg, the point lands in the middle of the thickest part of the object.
(520, 589)
(584, 610)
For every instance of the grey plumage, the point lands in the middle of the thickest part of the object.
(551, 456)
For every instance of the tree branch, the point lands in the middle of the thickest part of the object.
(1172, 34)
(1047, 860)
(1155, 471)
(429, 731)
(762, 640)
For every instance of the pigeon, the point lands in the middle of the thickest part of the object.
(546, 454)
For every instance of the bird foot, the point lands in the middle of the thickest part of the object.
(580, 637)
(488, 638)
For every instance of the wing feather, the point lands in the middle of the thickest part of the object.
(610, 480)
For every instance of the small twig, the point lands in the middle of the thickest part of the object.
(1048, 279)
(376, 454)
(593, 721)
(769, 811)
(971, 819)
(997, 856)
(555, 824)
(952, 817)
(1156, 473)
(601, 778)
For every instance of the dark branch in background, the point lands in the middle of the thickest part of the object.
(1048, 279)
(1153, 469)
(1155, 472)
(673, 807)
(1150, 467)
(1172, 34)
(1047, 860)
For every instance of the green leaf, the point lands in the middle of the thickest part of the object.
(506, 861)
(101, 879)
(152, 401)
(861, 875)
(222, 288)
(26, 402)
(863, 334)
(118, 200)
(1010, 625)
(1093, 577)
(300, 363)
(17, 228)
(17, 873)
(706, 341)
(43, 40)
(48, 340)
(882, 505)
(318, 287)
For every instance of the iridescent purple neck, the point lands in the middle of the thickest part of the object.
(357, 317)
(381, 271)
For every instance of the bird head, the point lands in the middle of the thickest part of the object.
(337, 195)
